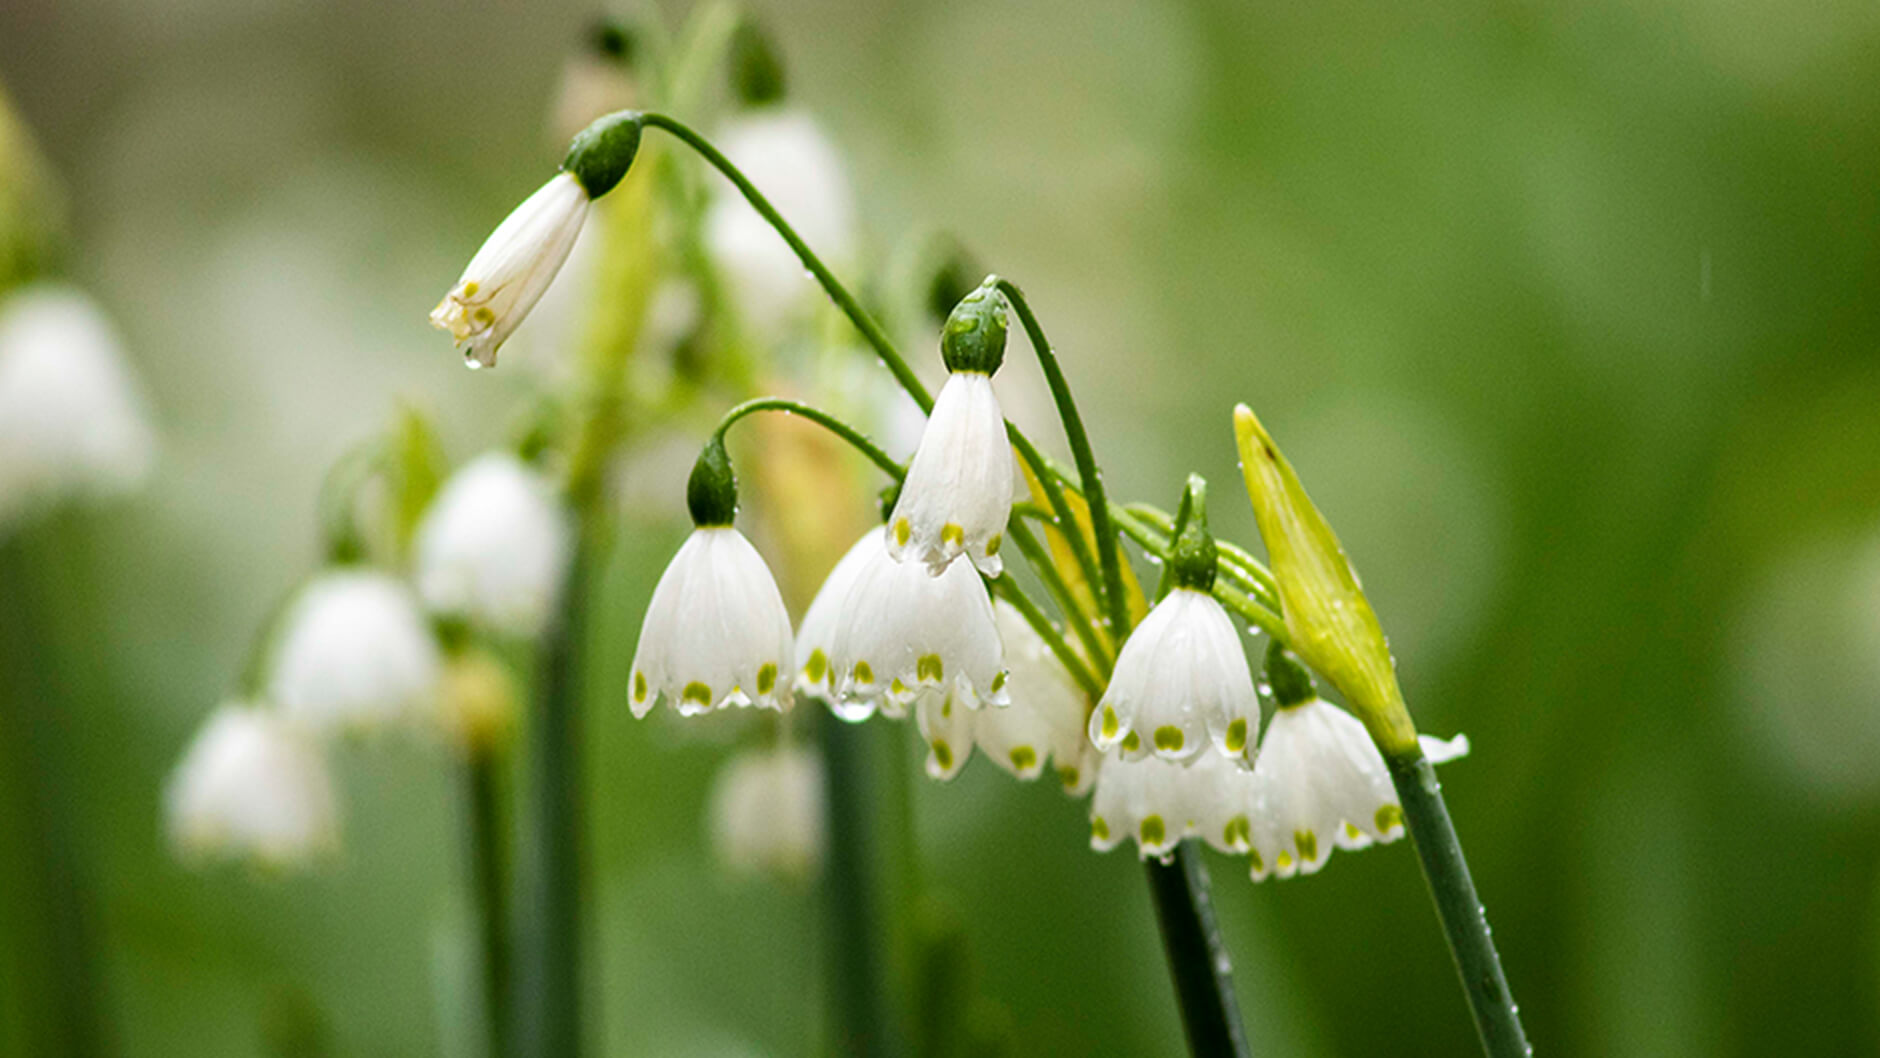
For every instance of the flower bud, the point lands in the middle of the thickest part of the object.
(1329, 622)
(974, 336)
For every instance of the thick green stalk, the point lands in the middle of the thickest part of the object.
(1088, 473)
(548, 969)
(483, 855)
(862, 1022)
(1465, 922)
(832, 286)
(1197, 958)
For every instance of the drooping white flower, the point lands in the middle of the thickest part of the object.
(1047, 714)
(354, 653)
(815, 637)
(767, 812)
(1321, 783)
(947, 728)
(958, 492)
(72, 424)
(716, 633)
(786, 155)
(1181, 680)
(1154, 801)
(901, 633)
(252, 786)
(494, 546)
(512, 269)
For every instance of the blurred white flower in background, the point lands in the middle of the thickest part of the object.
(786, 155)
(354, 653)
(767, 812)
(72, 423)
(252, 786)
(493, 547)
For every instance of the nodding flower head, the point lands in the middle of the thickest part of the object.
(958, 492)
(1181, 682)
(252, 786)
(355, 653)
(494, 546)
(515, 266)
(716, 633)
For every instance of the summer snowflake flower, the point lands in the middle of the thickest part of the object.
(901, 633)
(767, 812)
(494, 546)
(786, 155)
(354, 653)
(72, 423)
(1181, 679)
(959, 486)
(252, 786)
(1043, 724)
(1322, 783)
(716, 633)
(815, 637)
(1158, 802)
(512, 270)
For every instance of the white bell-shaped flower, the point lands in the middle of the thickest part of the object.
(72, 423)
(354, 654)
(1154, 801)
(959, 487)
(1181, 680)
(716, 633)
(767, 812)
(252, 786)
(1046, 718)
(513, 268)
(947, 728)
(815, 637)
(901, 633)
(494, 546)
(1321, 782)
(785, 154)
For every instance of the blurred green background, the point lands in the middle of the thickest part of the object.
(1566, 313)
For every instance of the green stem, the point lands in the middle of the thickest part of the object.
(1073, 611)
(1197, 957)
(1465, 923)
(1079, 439)
(1064, 519)
(484, 862)
(856, 439)
(548, 977)
(1251, 610)
(1236, 562)
(890, 356)
(862, 1020)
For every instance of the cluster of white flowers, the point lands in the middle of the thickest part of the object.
(355, 652)
(72, 423)
(1316, 782)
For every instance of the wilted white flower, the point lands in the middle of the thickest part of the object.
(71, 421)
(767, 812)
(716, 633)
(1181, 678)
(1320, 782)
(252, 786)
(354, 653)
(901, 633)
(1044, 722)
(788, 158)
(510, 272)
(958, 492)
(493, 547)
(815, 637)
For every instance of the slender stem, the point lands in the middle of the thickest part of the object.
(856, 439)
(1064, 518)
(1197, 957)
(863, 1024)
(548, 977)
(1465, 922)
(1073, 611)
(1092, 478)
(838, 293)
(1049, 633)
(1250, 610)
(1236, 561)
(483, 853)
